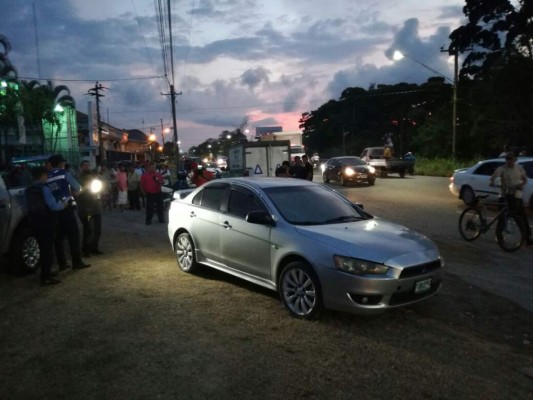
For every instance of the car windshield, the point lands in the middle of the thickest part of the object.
(313, 205)
(352, 161)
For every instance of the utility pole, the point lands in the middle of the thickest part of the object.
(453, 51)
(173, 95)
(95, 91)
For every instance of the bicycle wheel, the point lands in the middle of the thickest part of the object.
(470, 224)
(510, 233)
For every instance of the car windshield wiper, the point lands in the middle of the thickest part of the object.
(344, 218)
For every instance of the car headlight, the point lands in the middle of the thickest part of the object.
(371, 169)
(323, 167)
(359, 267)
(349, 171)
(96, 186)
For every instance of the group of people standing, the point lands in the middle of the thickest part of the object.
(55, 197)
(52, 205)
(301, 168)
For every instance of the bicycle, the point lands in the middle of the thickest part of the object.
(509, 226)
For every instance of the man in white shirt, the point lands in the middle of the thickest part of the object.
(513, 179)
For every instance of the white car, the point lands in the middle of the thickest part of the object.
(305, 241)
(470, 182)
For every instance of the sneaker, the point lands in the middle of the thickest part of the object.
(81, 265)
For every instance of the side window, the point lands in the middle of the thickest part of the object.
(212, 197)
(197, 200)
(528, 166)
(488, 168)
(242, 201)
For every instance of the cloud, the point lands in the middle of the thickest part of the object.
(254, 77)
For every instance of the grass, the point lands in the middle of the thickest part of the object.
(440, 166)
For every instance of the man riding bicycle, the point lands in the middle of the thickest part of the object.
(513, 179)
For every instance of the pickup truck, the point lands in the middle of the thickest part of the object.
(18, 245)
(375, 157)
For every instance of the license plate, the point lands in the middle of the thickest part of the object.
(422, 286)
(363, 176)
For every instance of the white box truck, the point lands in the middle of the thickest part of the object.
(258, 158)
(295, 138)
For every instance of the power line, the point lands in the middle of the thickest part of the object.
(92, 80)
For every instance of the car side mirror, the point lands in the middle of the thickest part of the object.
(260, 217)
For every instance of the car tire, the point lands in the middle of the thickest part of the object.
(371, 181)
(24, 253)
(468, 195)
(300, 291)
(325, 178)
(185, 254)
(402, 173)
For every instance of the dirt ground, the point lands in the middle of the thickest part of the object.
(134, 327)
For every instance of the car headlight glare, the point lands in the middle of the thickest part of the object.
(349, 171)
(96, 186)
(371, 169)
(359, 267)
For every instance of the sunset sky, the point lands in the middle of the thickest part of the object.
(268, 61)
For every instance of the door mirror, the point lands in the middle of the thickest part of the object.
(260, 217)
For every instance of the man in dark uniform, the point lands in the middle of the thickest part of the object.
(308, 167)
(90, 209)
(63, 185)
(42, 210)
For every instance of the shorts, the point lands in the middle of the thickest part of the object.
(122, 198)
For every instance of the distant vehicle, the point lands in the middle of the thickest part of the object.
(375, 156)
(348, 169)
(467, 183)
(213, 168)
(294, 137)
(305, 241)
(222, 162)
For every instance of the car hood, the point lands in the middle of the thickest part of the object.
(374, 240)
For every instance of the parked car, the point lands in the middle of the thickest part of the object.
(348, 169)
(467, 183)
(17, 240)
(305, 241)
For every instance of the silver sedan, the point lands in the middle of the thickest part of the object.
(306, 241)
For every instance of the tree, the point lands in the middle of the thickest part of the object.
(496, 30)
(40, 102)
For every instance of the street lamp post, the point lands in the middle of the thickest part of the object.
(151, 139)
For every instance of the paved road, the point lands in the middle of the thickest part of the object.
(426, 205)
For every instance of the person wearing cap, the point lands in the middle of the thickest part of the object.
(63, 187)
(89, 210)
(42, 208)
(513, 179)
(151, 183)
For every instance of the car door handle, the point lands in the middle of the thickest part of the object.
(192, 214)
(226, 224)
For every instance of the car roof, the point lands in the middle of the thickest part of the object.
(500, 159)
(343, 157)
(264, 182)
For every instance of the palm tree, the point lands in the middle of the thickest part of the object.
(40, 102)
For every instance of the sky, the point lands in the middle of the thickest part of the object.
(261, 61)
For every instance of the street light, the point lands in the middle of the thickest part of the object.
(151, 139)
(398, 55)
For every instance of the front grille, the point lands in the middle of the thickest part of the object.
(420, 269)
(407, 297)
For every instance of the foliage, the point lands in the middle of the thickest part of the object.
(440, 166)
(361, 118)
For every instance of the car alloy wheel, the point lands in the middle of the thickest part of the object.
(184, 249)
(300, 290)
